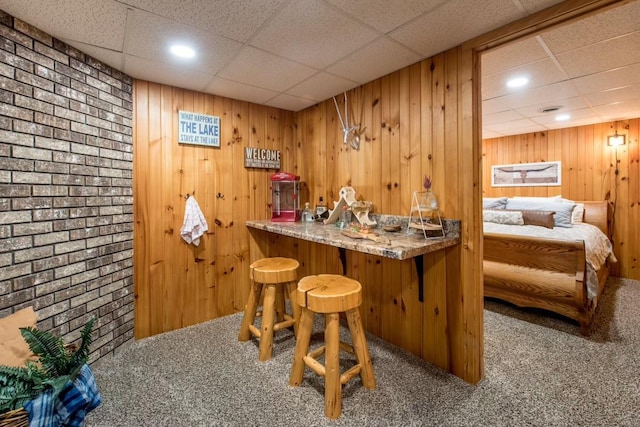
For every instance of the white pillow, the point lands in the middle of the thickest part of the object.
(578, 214)
(563, 211)
(557, 199)
(500, 216)
(578, 211)
(494, 202)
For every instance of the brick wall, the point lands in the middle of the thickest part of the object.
(66, 230)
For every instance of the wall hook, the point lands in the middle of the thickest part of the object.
(189, 195)
(220, 196)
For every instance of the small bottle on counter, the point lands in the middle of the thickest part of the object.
(321, 207)
(307, 215)
(345, 218)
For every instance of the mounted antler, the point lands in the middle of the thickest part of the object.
(350, 133)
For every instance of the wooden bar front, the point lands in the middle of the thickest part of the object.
(391, 308)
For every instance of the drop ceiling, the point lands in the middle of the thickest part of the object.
(590, 69)
(292, 54)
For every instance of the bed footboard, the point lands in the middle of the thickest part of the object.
(536, 272)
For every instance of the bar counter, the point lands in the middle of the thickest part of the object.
(406, 285)
(403, 245)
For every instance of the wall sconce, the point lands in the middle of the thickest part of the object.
(615, 140)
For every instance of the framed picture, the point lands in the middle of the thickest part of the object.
(526, 174)
(198, 129)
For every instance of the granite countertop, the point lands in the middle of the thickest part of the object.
(402, 245)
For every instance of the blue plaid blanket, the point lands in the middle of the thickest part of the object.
(68, 408)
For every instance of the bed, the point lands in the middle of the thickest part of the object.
(563, 270)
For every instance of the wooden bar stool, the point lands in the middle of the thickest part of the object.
(272, 274)
(331, 295)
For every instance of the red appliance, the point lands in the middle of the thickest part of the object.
(285, 197)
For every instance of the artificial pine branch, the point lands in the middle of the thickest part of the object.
(54, 368)
(49, 349)
(81, 355)
(19, 385)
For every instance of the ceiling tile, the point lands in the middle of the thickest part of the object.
(603, 56)
(493, 106)
(288, 102)
(305, 23)
(150, 36)
(436, 32)
(514, 124)
(522, 126)
(97, 23)
(241, 91)
(567, 104)
(620, 110)
(235, 19)
(364, 65)
(540, 73)
(318, 86)
(578, 122)
(553, 93)
(512, 56)
(577, 114)
(594, 29)
(159, 72)
(610, 79)
(486, 134)
(258, 68)
(626, 93)
(501, 117)
(385, 15)
(110, 57)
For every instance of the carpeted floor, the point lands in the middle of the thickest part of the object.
(539, 371)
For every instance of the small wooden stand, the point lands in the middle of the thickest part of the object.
(348, 200)
(418, 219)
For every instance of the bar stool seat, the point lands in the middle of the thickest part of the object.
(331, 294)
(270, 275)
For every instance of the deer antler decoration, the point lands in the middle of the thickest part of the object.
(350, 133)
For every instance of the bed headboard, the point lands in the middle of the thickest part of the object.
(597, 213)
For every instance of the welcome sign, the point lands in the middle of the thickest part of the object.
(198, 129)
(261, 158)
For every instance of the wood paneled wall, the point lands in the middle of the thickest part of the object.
(179, 284)
(588, 173)
(415, 122)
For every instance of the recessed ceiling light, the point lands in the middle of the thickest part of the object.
(182, 51)
(517, 82)
(562, 117)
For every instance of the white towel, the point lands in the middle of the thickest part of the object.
(194, 225)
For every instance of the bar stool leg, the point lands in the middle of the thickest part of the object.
(280, 304)
(302, 347)
(266, 331)
(360, 347)
(332, 386)
(250, 311)
(295, 308)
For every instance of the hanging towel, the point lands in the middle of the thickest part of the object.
(195, 225)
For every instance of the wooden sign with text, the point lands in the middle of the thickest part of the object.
(198, 129)
(261, 158)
